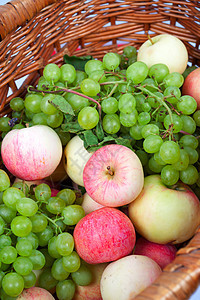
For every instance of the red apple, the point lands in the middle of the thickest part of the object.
(89, 204)
(165, 215)
(191, 86)
(113, 175)
(104, 235)
(31, 153)
(35, 293)
(161, 254)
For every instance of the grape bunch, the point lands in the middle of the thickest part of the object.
(36, 233)
(118, 99)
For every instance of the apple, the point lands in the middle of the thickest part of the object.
(35, 293)
(127, 277)
(165, 215)
(76, 157)
(161, 254)
(104, 235)
(92, 290)
(89, 204)
(113, 175)
(191, 86)
(166, 49)
(31, 153)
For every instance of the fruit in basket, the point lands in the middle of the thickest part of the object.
(127, 277)
(191, 86)
(166, 49)
(113, 175)
(164, 214)
(104, 235)
(161, 254)
(89, 204)
(35, 293)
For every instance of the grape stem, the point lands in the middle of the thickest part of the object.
(52, 221)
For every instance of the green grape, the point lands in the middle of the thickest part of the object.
(1, 197)
(135, 131)
(48, 259)
(24, 247)
(189, 141)
(58, 271)
(140, 100)
(170, 152)
(111, 123)
(111, 61)
(88, 117)
(8, 255)
(4, 267)
(68, 73)
(130, 51)
(5, 240)
(193, 155)
(27, 207)
(183, 162)
(146, 107)
(152, 143)
(58, 224)
(98, 75)
(176, 124)
(11, 196)
(29, 115)
(190, 175)
(158, 159)
(4, 181)
(38, 259)
(23, 265)
(65, 289)
(32, 103)
(55, 205)
(132, 60)
(64, 243)
(173, 79)
(67, 195)
(187, 105)
(44, 236)
(154, 166)
(83, 276)
(172, 94)
(153, 102)
(7, 213)
(137, 72)
(42, 192)
(158, 72)
(39, 222)
(13, 284)
(52, 72)
(130, 119)
(43, 84)
(150, 84)
(64, 136)
(32, 237)
(90, 87)
(52, 250)
(17, 104)
(127, 103)
(143, 156)
(29, 280)
(110, 79)
(4, 296)
(189, 124)
(109, 105)
(2, 225)
(80, 75)
(4, 124)
(21, 185)
(144, 118)
(18, 126)
(46, 106)
(196, 117)
(77, 102)
(2, 274)
(46, 280)
(93, 65)
(21, 226)
(71, 263)
(73, 214)
(124, 88)
(55, 120)
(150, 129)
(169, 175)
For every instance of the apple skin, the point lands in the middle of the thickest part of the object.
(166, 49)
(127, 277)
(191, 86)
(35, 293)
(31, 153)
(89, 204)
(113, 175)
(161, 254)
(76, 157)
(104, 235)
(163, 215)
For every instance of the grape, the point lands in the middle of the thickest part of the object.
(5, 240)
(40, 119)
(55, 120)
(48, 259)
(27, 207)
(135, 131)
(189, 124)
(173, 79)
(90, 87)
(124, 88)
(77, 102)
(183, 162)
(39, 222)
(65, 289)
(8, 255)
(55, 205)
(170, 152)
(58, 224)
(58, 271)
(67, 195)
(46, 106)
(46, 280)
(137, 72)
(149, 129)
(193, 155)
(64, 243)
(152, 143)
(88, 117)
(4, 181)
(73, 214)
(143, 156)
(43, 84)
(127, 103)
(17, 104)
(169, 175)
(32, 237)
(71, 262)
(146, 107)
(172, 94)
(111, 123)
(189, 141)
(2, 225)
(44, 236)
(111, 61)
(93, 65)
(130, 119)
(176, 124)
(98, 75)
(21, 186)
(38, 259)
(68, 73)
(140, 100)
(109, 105)
(29, 280)
(130, 51)
(158, 72)
(83, 276)
(21, 226)
(154, 165)
(4, 124)
(24, 247)
(149, 84)
(52, 72)
(144, 118)
(42, 192)
(196, 117)
(187, 105)
(190, 175)
(23, 265)
(11, 196)
(13, 284)
(32, 103)
(2, 274)
(52, 250)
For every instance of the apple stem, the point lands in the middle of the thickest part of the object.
(110, 172)
(150, 39)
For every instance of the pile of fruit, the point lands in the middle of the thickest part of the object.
(125, 132)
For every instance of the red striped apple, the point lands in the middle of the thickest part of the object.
(35, 293)
(113, 176)
(191, 86)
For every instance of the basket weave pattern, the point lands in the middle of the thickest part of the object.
(32, 30)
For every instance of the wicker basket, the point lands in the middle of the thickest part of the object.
(32, 30)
